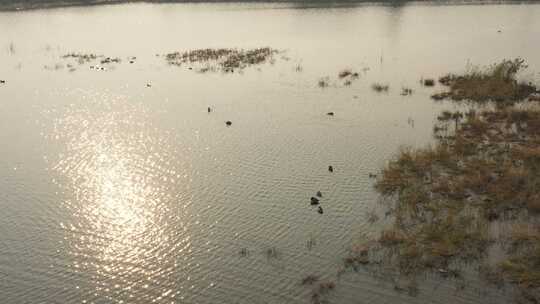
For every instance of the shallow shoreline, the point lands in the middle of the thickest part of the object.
(482, 172)
(17, 6)
(27, 5)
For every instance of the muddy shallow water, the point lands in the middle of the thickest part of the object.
(117, 185)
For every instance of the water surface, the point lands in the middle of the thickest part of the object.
(115, 192)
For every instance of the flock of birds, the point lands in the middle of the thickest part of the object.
(315, 200)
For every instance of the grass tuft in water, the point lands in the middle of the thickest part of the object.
(323, 82)
(496, 83)
(379, 88)
(226, 60)
(444, 199)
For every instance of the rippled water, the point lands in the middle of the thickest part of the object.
(115, 192)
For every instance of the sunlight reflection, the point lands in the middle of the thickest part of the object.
(121, 176)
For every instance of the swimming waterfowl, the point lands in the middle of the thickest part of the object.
(319, 193)
(228, 123)
(209, 110)
(330, 113)
(2, 81)
(330, 168)
(314, 200)
(320, 210)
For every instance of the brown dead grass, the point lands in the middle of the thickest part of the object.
(446, 195)
(522, 266)
(495, 83)
(392, 237)
(224, 59)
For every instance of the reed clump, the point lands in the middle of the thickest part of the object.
(310, 279)
(348, 73)
(224, 59)
(445, 197)
(380, 88)
(82, 58)
(497, 83)
(345, 73)
(405, 91)
(521, 267)
(348, 76)
(323, 82)
(428, 82)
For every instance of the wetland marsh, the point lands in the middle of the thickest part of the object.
(167, 153)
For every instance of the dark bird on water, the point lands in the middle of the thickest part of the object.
(228, 123)
(330, 113)
(2, 81)
(314, 200)
(209, 110)
(319, 193)
(330, 168)
(320, 210)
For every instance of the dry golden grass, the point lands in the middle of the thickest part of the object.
(524, 233)
(533, 203)
(392, 237)
(447, 195)
(476, 126)
(522, 268)
(393, 180)
(495, 83)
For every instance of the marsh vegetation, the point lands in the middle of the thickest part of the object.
(380, 88)
(448, 201)
(428, 82)
(445, 199)
(323, 82)
(222, 59)
(498, 82)
(319, 291)
(348, 76)
(82, 58)
(406, 91)
(98, 62)
(129, 161)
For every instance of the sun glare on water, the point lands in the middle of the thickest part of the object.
(121, 182)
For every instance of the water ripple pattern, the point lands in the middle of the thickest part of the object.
(127, 189)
